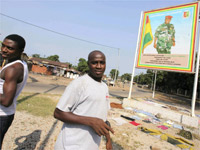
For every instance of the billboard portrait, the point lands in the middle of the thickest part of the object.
(167, 38)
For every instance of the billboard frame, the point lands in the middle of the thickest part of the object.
(158, 64)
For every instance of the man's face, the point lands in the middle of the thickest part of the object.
(167, 20)
(97, 65)
(9, 49)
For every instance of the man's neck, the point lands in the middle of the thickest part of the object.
(96, 79)
(14, 59)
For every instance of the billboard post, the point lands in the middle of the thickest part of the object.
(154, 86)
(133, 72)
(195, 82)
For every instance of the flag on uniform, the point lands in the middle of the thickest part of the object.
(148, 37)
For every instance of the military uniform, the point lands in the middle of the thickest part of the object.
(165, 35)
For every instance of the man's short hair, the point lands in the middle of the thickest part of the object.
(18, 39)
(91, 53)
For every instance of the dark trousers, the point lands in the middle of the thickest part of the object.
(5, 122)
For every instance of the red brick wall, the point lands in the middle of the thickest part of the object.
(40, 69)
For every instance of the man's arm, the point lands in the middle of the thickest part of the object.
(99, 126)
(11, 75)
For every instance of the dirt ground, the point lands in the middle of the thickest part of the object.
(29, 132)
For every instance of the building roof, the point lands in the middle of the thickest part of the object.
(36, 60)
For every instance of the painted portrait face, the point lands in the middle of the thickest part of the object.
(167, 20)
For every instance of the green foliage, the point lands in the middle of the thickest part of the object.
(70, 65)
(36, 55)
(168, 82)
(36, 104)
(53, 58)
(143, 78)
(83, 66)
(126, 76)
(112, 73)
(75, 67)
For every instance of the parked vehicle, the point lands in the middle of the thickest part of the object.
(111, 83)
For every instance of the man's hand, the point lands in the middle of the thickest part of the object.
(100, 127)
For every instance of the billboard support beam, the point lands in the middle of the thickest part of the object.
(154, 86)
(195, 82)
(131, 83)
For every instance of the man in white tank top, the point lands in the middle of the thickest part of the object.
(13, 78)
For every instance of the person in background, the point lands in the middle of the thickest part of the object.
(83, 109)
(13, 77)
(2, 61)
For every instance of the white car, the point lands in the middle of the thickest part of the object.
(111, 83)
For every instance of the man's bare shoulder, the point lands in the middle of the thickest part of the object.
(16, 67)
(15, 70)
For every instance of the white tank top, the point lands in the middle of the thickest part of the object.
(4, 111)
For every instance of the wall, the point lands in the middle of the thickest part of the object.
(41, 69)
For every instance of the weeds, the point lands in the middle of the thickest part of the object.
(36, 104)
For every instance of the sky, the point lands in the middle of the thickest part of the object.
(71, 29)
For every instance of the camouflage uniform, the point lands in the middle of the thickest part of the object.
(165, 34)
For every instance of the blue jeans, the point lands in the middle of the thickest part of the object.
(5, 122)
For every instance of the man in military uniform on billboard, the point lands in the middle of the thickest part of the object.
(164, 37)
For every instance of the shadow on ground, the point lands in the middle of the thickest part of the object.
(115, 146)
(44, 143)
(26, 98)
(33, 79)
(28, 142)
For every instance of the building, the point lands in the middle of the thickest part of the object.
(48, 67)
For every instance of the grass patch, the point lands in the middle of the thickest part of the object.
(37, 104)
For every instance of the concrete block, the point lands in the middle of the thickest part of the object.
(190, 121)
(165, 113)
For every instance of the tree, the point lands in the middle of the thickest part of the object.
(53, 58)
(112, 73)
(75, 67)
(70, 65)
(126, 76)
(36, 55)
(143, 79)
(83, 66)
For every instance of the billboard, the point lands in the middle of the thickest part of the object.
(167, 38)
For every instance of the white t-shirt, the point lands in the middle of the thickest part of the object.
(4, 111)
(85, 97)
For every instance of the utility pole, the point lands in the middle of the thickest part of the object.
(116, 69)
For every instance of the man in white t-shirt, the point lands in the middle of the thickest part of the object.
(83, 109)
